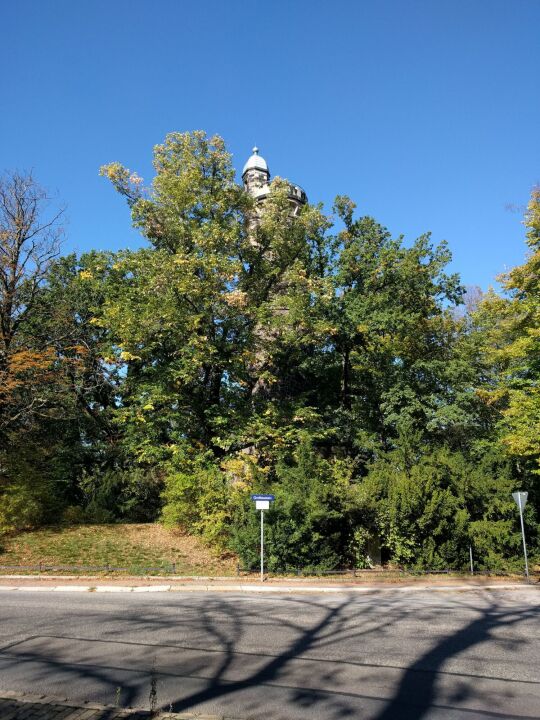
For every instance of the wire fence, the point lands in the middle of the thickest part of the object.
(167, 569)
(379, 570)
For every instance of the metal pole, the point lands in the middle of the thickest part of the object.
(523, 535)
(472, 566)
(262, 545)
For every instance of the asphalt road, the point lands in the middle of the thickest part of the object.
(383, 656)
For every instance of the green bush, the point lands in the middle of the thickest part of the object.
(198, 498)
(312, 523)
(74, 515)
(21, 507)
(430, 506)
(132, 494)
(27, 497)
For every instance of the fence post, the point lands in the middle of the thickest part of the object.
(174, 568)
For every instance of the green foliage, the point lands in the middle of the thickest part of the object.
(313, 520)
(430, 506)
(510, 328)
(246, 348)
(26, 492)
(198, 499)
(393, 335)
(21, 507)
(130, 494)
(497, 544)
(420, 514)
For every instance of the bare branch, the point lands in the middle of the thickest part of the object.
(30, 238)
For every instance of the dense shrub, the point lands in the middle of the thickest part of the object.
(132, 494)
(27, 496)
(431, 506)
(313, 521)
(198, 498)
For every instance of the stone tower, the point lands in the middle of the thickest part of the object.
(256, 179)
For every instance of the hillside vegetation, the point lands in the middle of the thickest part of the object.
(317, 357)
(133, 546)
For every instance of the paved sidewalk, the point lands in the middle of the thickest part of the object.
(44, 707)
(145, 585)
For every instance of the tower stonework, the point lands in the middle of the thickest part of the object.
(256, 180)
(256, 175)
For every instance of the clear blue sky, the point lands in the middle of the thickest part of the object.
(425, 112)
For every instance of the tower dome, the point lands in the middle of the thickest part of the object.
(256, 162)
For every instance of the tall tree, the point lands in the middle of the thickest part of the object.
(175, 313)
(392, 331)
(30, 380)
(30, 235)
(511, 328)
(205, 315)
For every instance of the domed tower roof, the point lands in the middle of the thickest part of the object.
(255, 162)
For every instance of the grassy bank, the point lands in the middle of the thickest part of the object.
(133, 546)
(149, 549)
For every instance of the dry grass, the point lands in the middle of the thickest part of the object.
(133, 546)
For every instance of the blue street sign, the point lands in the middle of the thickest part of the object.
(263, 497)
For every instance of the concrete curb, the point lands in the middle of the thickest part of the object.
(263, 589)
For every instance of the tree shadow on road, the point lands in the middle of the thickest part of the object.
(217, 651)
(417, 692)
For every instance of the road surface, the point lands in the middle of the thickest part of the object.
(383, 656)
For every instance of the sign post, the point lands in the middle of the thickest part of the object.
(262, 545)
(521, 501)
(262, 503)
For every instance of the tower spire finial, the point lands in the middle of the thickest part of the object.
(256, 162)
